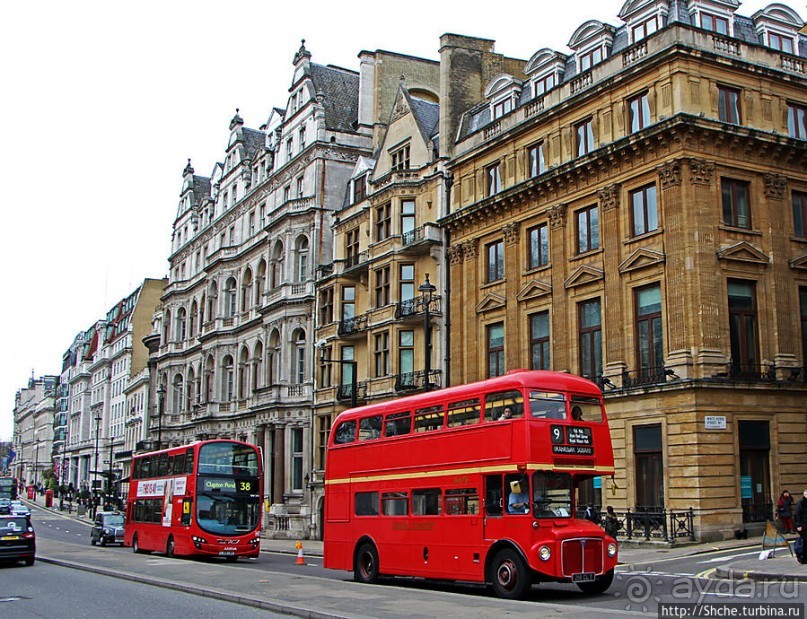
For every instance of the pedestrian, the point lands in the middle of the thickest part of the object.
(800, 520)
(784, 510)
(611, 522)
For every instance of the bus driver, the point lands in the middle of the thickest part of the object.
(519, 501)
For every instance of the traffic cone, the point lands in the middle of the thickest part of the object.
(300, 559)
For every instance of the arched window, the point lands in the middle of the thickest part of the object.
(246, 290)
(299, 356)
(260, 280)
(177, 399)
(202, 313)
(230, 298)
(192, 390)
(210, 369)
(227, 379)
(166, 326)
(181, 324)
(273, 358)
(211, 301)
(302, 259)
(193, 317)
(243, 373)
(257, 367)
(277, 265)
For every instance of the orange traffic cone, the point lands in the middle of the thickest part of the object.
(300, 559)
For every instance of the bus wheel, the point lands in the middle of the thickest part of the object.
(510, 575)
(598, 586)
(365, 565)
(169, 548)
(136, 545)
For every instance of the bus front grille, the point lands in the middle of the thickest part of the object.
(581, 555)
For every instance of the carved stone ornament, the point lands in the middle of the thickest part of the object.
(669, 174)
(455, 254)
(510, 232)
(557, 215)
(609, 197)
(469, 249)
(775, 186)
(700, 171)
(401, 110)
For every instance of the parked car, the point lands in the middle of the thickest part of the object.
(5, 506)
(17, 539)
(107, 529)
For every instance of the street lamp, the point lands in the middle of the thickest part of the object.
(97, 432)
(427, 290)
(36, 465)
(160, 405)
(353, 371)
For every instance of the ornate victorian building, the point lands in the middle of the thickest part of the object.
(634, 212)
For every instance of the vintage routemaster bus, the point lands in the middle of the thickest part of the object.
(199, 499)
(475, 483)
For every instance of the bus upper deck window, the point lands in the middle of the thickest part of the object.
(345, 433)
(370, 428)
(496, 403)
(398, 424)
(586, 409)
(547, 405)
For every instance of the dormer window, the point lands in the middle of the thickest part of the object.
(359, 188)
(543, 85)
(545, 70)
(591, 43)
(503, 92)
(589, 59)
(644, 17)
(714, 23)
(780, 42)
(777, 26)
(644, 29)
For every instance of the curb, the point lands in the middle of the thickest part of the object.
(729, 573)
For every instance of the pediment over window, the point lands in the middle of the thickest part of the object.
(799, 263)
(591, 33)
(502, 83)
(544, 61)
(778, 19)
(491, 302)
(586, 274)
(534, 290)
(633, 8)
(641, 259)
(743, 252)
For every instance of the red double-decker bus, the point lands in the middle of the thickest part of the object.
(474, 483)
(199, 499)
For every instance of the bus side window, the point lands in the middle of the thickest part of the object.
(170, 470)
(495, 403)
(547, 405)
(370, 428)
(493, 495)
(398, 424)
(345, 433)
(429, 418)
(394, 503)
(426, 502)
(463, 413)
(366, 503)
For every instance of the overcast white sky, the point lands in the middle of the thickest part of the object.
(104, 102)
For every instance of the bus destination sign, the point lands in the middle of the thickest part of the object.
(571, 441)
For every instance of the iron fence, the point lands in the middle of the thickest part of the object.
(665, 525)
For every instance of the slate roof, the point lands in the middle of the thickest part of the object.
(254, 142)
(341, 90)
(427, 115)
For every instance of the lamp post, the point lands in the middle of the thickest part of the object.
(98, 418)
(160, 405)
(36, 465)
(427, 290)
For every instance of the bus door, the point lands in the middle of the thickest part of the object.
(507, 503)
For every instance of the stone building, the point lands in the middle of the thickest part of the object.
(33, 429)
(635, 212)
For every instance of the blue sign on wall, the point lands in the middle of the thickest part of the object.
(746, 487)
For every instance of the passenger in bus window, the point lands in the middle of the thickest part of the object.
(519, 501)
(506, 414)
(577, 413)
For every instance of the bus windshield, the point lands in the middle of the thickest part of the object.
(226, 513)
(552, 495)
(228, 459)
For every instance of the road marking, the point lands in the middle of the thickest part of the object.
(728, 557)
(706, 573)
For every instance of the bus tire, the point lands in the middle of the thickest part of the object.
(136, 545)
(365, 564)
(510, 575)
(169, 548)
(600, 585)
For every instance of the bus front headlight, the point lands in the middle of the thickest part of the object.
(545, 553)
(611, 549)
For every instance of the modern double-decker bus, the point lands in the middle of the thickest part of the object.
(8, 488)
(474, 483)
(199, 499)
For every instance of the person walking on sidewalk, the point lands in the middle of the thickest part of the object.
(784, 509)
(800, 520)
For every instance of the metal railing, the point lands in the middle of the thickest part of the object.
(757, 512)
(353, 325)
(650, 524)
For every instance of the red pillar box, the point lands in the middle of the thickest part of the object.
(31, 492)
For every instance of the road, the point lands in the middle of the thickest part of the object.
(637, 589)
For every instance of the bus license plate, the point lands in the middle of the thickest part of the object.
(226, 553)
(584, 577)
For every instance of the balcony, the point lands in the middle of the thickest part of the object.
(417, 307)
(352, 326)
(416, 381)
(646, 377)
(353, 265)
(344, 392)
(419, 240)
(748, 372)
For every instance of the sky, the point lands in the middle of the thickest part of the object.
(104, 102)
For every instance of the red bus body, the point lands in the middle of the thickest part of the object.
(199, 499)
(430, 497)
